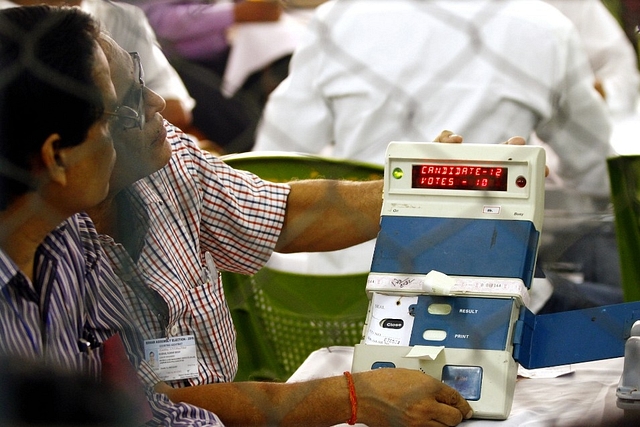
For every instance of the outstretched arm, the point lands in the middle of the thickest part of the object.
(386, 397)
(324, 215)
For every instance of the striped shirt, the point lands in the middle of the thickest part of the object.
(195, 204)
(75, 295)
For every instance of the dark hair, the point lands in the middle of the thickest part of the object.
(46, 86)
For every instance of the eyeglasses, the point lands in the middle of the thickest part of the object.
(131, 117)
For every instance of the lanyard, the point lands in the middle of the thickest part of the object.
(130, 275)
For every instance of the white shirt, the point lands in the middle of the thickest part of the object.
(196, 204)
(611, 55)
(128, 26)
(374, 71)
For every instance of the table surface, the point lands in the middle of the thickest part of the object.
(585, 397)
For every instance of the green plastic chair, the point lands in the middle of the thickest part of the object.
(281, 317)
(624, 174)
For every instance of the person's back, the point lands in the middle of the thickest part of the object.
(376, 71)
(611, 55)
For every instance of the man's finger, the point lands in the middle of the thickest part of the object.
(516, 140)
(451, 397)
(447, 136)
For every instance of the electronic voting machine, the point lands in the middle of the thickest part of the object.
(451, 270)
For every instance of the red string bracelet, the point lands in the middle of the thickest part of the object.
(352, 398)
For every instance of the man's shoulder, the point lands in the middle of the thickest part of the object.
(74, 239)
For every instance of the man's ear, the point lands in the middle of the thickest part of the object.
(53, 159)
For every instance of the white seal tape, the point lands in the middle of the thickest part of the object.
(438, 283)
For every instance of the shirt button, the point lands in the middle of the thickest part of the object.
(174, 330)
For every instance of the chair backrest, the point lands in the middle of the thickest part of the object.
(624, 174)
(281, 317)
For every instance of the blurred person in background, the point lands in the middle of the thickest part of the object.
(584, 257)
(484, 68)
(611, 55)
(614, 62)
(198, 30)
(129, 26)
(374, 71)
(195, 36)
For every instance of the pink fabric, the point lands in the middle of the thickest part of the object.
(191, 29)
(118, 372)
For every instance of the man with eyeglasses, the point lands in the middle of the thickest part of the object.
(133, 116)
(60, 303)
(171, 203)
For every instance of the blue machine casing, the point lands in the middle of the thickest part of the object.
(573, 336)
(458, 246)
(489, 331)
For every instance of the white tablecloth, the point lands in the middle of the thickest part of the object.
(586, 397)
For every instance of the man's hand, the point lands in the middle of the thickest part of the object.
(448, 137)
(518, 140)
(257, 11)
(404, 397)
(386, 397)
(600, 88)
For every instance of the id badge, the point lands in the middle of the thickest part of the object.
(172, 358)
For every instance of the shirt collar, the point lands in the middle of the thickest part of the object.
(8, 269)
